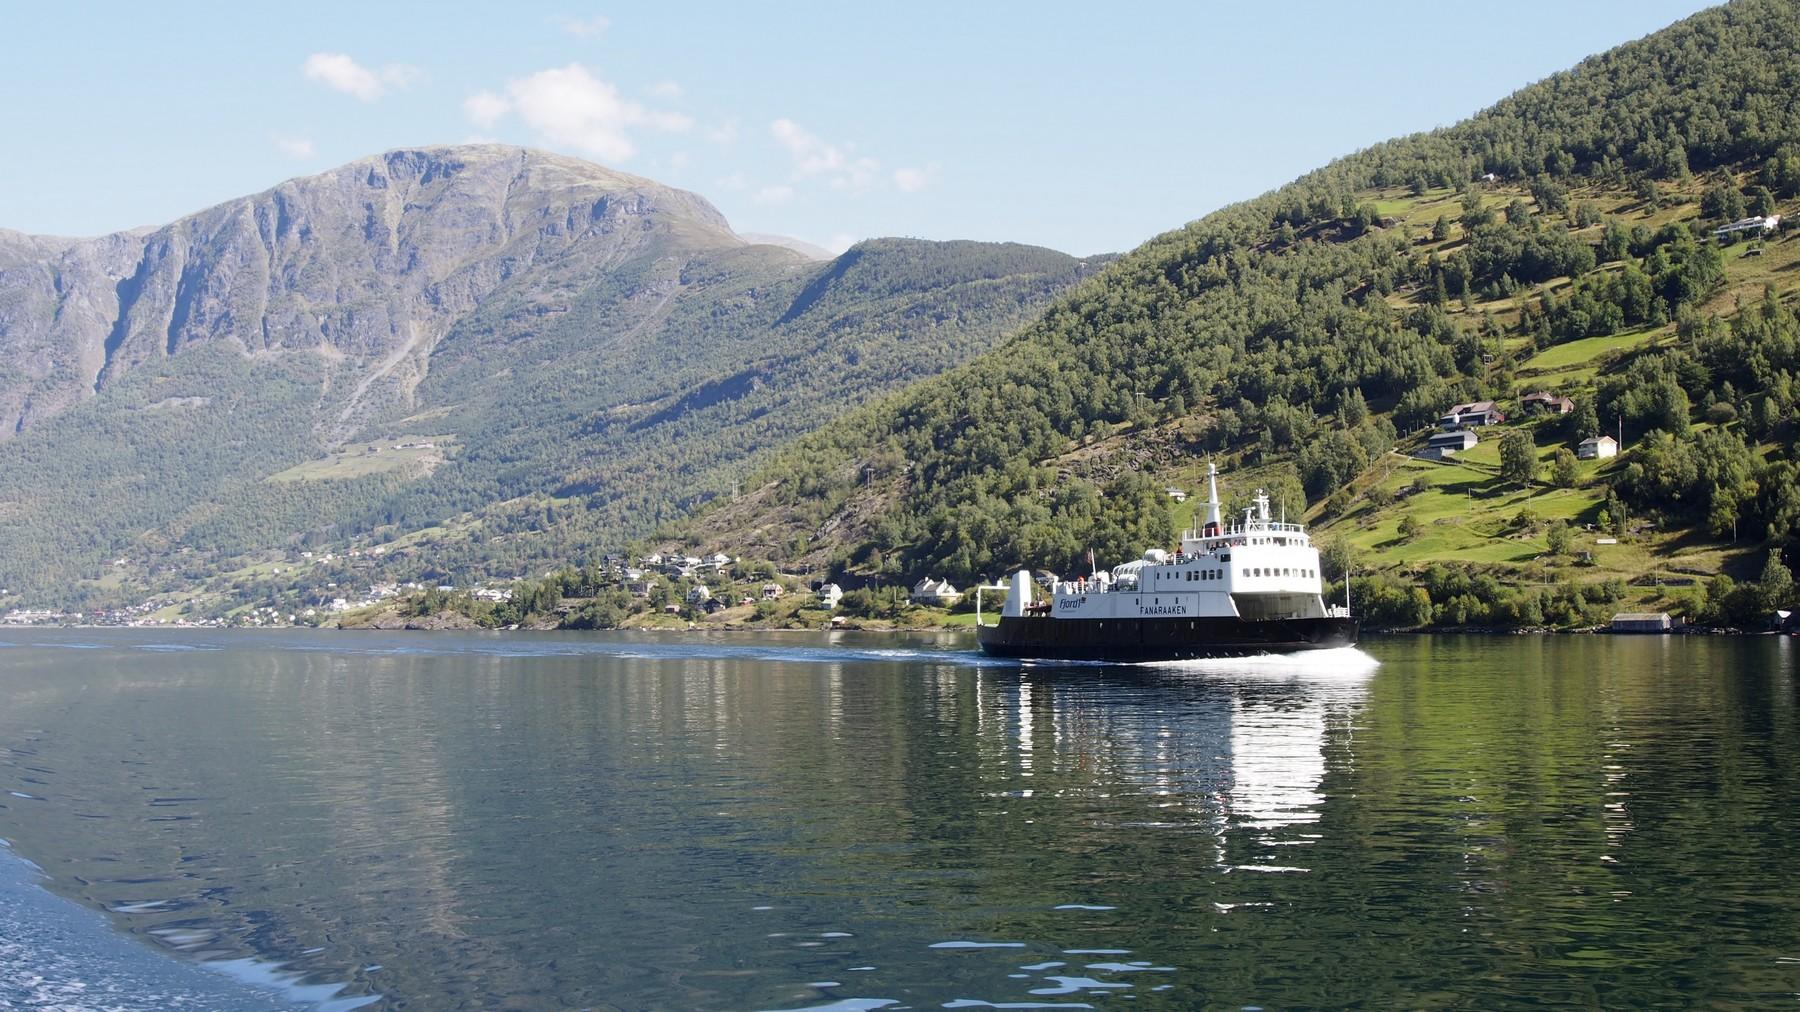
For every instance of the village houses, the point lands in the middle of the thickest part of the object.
(938, 593)
(1461, 416)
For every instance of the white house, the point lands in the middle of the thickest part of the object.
(1444, 445)
(830, 594)
(1597, 448)
(935, 592)
(1756, 223)
(699, 595)
(771, 591)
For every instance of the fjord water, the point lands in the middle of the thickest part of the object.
(628, 821)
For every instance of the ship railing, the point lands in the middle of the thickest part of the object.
(978, 589)
(1272, 527)
(1337, 611)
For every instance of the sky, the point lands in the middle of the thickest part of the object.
(1066, 125)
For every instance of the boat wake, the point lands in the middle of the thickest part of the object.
(1339, 663)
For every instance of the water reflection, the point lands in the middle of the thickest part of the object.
(453, 822)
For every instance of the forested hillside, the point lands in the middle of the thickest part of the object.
(483, 356)
(1562, 240)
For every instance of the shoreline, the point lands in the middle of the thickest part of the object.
(1686, 630)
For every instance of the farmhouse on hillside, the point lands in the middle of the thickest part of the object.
(1544, 400)
(1444, 445)
(1597, 448)
(935, 592)
(1462, 416)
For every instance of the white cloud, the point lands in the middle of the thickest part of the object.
(484, 108)
(840, 242)
(299, 148)
(912, 180)
(735, 181)
(680, 160)
(667, 89)
(339, 72)
(724, 134)
(774, 195)
(586, 28)
(860, 174)
(813, 156)
(572, 108)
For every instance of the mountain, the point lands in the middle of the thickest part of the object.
(1309, 339)
(500, 355)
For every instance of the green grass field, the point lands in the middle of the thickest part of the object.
(359, 461)
(1582, 353)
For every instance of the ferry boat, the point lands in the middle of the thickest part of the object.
(1231, 590)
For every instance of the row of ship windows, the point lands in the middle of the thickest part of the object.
(1219, 574)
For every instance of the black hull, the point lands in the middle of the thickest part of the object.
(1160, 639)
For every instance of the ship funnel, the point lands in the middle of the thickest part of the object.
(1018, 596)
(1212, 501)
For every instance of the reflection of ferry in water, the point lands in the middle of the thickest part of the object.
(1230, 591)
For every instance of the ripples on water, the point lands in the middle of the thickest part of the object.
(444, 821)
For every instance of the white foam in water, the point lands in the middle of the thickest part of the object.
(55, 954)
(287, 983)
(977, 945)
(1337, 663)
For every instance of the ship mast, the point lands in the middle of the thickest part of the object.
(1212, 502)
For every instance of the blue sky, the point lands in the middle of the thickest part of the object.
(1066, 125)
